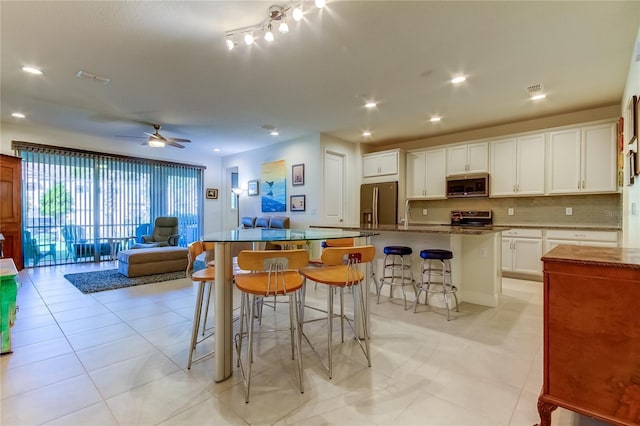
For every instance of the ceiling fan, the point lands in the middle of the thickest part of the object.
(156, 140)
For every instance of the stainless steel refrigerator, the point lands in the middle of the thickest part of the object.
(379, 204)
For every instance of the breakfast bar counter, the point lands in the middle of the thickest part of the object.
(477, 254)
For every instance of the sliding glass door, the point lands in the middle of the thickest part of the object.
(84, 207)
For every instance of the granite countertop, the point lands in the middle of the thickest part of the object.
(628, 258)
(428, 229)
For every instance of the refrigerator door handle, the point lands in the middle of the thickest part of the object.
(375, 206)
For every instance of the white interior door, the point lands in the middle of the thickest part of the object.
(333, 188)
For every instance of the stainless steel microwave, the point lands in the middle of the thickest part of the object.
(471, 185)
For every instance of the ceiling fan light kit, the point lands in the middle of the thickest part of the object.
(276, 15)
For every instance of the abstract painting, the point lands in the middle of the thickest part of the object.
(274, 187)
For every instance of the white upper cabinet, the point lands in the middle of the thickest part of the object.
(426, 174)
(380, 163)
(582, 160)
(599, 158)
(517, 166)
(468, 158)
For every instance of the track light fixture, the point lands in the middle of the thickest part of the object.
(276, 15)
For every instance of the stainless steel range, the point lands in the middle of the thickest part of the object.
(471, 217)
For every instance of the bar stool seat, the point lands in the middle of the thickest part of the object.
(396, 271)
(444, 287)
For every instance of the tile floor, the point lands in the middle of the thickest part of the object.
(119, 358)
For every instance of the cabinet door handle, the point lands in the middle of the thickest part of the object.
(583, 184)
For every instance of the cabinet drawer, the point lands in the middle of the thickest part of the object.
(611, 236)
(523, 233)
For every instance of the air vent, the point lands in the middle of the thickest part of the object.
(535, 88)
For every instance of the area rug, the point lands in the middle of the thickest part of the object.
(109, 279)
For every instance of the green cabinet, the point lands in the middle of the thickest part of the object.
(8, 293)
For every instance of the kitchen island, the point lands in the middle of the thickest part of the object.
(477, 255)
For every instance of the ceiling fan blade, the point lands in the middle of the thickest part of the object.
(174, 144)
(179, 140)
(156, 136)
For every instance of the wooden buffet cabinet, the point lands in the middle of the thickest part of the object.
(592, 333)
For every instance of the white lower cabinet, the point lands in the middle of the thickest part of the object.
(580, 238)
(521, 251)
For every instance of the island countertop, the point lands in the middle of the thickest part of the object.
(612, 257)
(427, 229)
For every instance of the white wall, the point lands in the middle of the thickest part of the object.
(631, 194)
(28, 133)
(308, 150)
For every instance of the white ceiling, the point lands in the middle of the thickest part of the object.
(168, 64)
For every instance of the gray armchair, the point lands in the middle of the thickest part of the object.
(165, 233)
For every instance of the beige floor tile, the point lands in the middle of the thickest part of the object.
(205, 413)
(158, 401)
(101, 356)
(49, 402)
(36, 352)
(94, 415)
(38, 374)
(90, 323)
(34, 335)
(100, 336)
(131, 373)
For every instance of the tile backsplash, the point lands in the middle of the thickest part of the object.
(597, 210)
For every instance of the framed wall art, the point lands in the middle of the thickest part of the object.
(298, 203)
(297, 174)
(253, 187)
(212, 193)
(274, 187)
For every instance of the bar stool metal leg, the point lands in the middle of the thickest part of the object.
(396, 271)
(444, 271)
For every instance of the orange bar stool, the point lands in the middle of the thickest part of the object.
(343, 268)
(271, 273)
(204, 278)
(396, 271)
(444, 287)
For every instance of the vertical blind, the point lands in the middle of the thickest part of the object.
(104, 197)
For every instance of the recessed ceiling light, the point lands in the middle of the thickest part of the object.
(18, 115)
(435, 119)
(216, 149)
(370, 104)
(32, 70)
(538, 97)
(274, 133)
(459, 79)
(366, 133)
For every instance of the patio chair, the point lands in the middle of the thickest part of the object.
(75, 238)
(32, 249)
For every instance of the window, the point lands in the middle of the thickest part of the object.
(108, 196)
